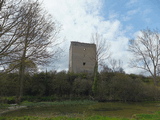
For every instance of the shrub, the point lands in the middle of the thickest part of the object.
(123, 87)
(82, 87)
(8, 100)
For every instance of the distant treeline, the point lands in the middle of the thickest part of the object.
(51, 86)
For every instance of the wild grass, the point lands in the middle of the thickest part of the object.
(68, 102)
(155, 116)
(63, 118)
(85, 110)
(3, 107)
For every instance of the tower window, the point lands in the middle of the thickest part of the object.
(84, 63)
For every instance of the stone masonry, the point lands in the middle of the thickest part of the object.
(82, 57)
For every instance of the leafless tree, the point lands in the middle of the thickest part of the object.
(37, 34)
(8, 30)
(102, 48)
(146, 52)
(31, 38)
(116, 65)
(102, 53)
(1, 4)
(106, 68)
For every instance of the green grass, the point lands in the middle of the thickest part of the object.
(62, 118)
(35, 104)
(3, 107)
(85, 110)
(155, 116)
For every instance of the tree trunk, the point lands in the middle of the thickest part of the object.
(22, 72)
(21, 80)
(95, 84)
(155, 81)
(155, 77)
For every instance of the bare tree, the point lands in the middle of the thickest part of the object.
(1, 4)
(146, 52)
(106, 68)
(29, 34)
(37, 34)
(116, 65)
(30, 67)
(102, 53)
(102, 48)
(9, 20)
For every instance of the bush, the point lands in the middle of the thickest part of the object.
(122, 87)
(125, 89)
(103, 92)
(8, 100)
(60, 84)
(82, 87)
(51, 86)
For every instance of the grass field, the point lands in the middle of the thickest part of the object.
(62, 118)
(155, 116)
(85, 110)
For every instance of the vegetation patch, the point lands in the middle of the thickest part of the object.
(62, 118)
(83, 109)
(107, 109)
(68, 102)
(155, 116)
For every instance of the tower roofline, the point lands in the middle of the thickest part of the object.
(82, 43)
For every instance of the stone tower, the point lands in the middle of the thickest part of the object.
(82, 57)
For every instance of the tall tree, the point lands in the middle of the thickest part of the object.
(102, 48)
(34, 38)
(146, 52)
(9, 20)
(37, 35)
(102, 53)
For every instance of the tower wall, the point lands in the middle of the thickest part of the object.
(82, 57)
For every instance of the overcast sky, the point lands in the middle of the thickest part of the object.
(117, 20)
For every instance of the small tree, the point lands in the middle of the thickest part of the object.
(146, 52)
(116, 65)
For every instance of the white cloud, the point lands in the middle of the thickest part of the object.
(146, 12)
(113, 15)
(133, 12)
(138, 33)
(80, 19)
(126, 18)
(131, 2)
(130, 14)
